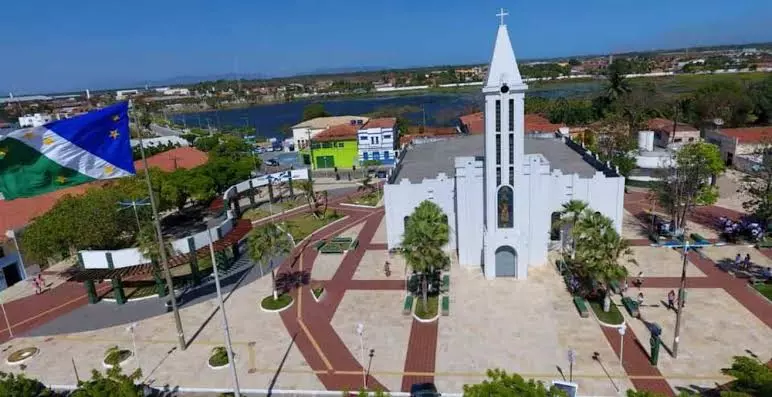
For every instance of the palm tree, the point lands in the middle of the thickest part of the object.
(569, 215)
(147, 243)
(267, 242)
(617, 83)
(426, 233)
(599, 249)
(307, 187)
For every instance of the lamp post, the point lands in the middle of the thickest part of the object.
(130, 329)
(361, 332)
(221, 304)
(622, 330)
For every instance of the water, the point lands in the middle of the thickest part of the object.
(440, 109)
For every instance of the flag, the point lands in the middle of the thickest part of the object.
(66, 153)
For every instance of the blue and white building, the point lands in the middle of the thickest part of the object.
(377, 141)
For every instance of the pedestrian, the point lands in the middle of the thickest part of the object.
(671, 299)
(737, 260)
(387, 269)
(639, 280)
(747, 261)
(640, 299)
(41, 281)
(37, 285)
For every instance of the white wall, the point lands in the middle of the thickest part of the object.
(35, 120)
(469, 210)
(402, 198)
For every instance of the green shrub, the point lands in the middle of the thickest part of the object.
(219, 357)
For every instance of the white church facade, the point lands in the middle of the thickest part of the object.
(502, 189)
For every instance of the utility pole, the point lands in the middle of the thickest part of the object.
(160, 238)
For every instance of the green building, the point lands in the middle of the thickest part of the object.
(334, 147)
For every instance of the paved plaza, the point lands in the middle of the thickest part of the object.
(314, 345)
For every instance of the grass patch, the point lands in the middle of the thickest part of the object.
(22, 354)
(764, 289)
(269, 303)
(370, 199)
(613, 317)
(263, 211)
(254, 214)
(432, 304)
(304, 224)
(318, 292)
(219, 357)
(115, 356)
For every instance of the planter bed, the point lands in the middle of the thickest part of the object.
(116, 356)
(268, 304)
(431, 313)
(612, 318)
(21, 355)
(218, 359)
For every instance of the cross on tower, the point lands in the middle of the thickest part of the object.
(501, 15)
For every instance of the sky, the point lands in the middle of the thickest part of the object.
(50, 45)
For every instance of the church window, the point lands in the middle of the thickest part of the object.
(498, 116)
(498, 176)
(511, 148)
(511, 176)
(498, 149)
(511, 114)
(505, 199)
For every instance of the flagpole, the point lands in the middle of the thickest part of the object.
(159, 237)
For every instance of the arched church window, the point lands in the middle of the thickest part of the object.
(505, 200)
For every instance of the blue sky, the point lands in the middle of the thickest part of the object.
(70, 45)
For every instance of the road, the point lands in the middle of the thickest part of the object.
(163, 131)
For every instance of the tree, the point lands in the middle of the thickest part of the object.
(615, 143)
(617, 83)
(317, 201)
(426, 233)
(753, 378)
(21, 386)
(598, 250)
(502, 384)
(267, 242)
(147, 242)
(569, 216)
(574, 62)
(113, 384)
(728, 100)
(758, 185)
(313, 111)
(687, 182)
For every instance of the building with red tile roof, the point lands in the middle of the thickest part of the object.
(383, 122)
(668, 133)
(739, 146)
(474, 124)
(338, 133)
(14, 214)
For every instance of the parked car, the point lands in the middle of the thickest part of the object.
(423, 390)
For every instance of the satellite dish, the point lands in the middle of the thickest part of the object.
(718, 121)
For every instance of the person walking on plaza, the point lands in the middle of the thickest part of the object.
(747, 263)
(639, 280)
(737, 260)
(36, 284)
(671, 299)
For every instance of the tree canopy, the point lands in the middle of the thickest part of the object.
(426, 233)
(112, 384)
(21, 386)
(313, 111)
(502, 384)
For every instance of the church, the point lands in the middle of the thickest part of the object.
(501, 191)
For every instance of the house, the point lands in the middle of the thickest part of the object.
(669, 134)
(473, 124)
(122, 94)
(739, 146)
(377, 141)
(334, 147)
(308, 129)
(501, 190)
(35, 120)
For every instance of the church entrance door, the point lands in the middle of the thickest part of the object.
(506, 261)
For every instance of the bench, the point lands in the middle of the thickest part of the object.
(354, 244)
(698, 239)
(581, 306)
(408, 307)
(445, 305)
(446, 283)
(630, 305)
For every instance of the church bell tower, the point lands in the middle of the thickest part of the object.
(504, 92)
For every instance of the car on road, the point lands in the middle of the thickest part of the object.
(423, 390)
(272, 163)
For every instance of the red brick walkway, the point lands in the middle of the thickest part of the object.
(421, 354)
(26, 313)
(636, 362)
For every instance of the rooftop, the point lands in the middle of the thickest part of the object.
(325, 122)
(426, 160)
(750, 134)
(338, 133)
(475, 123)
(17, 213)
(659, 124)
(384, 122)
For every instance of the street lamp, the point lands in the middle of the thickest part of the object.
(622, 330)
(130, 329)
(360, 332)
(228, 346)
